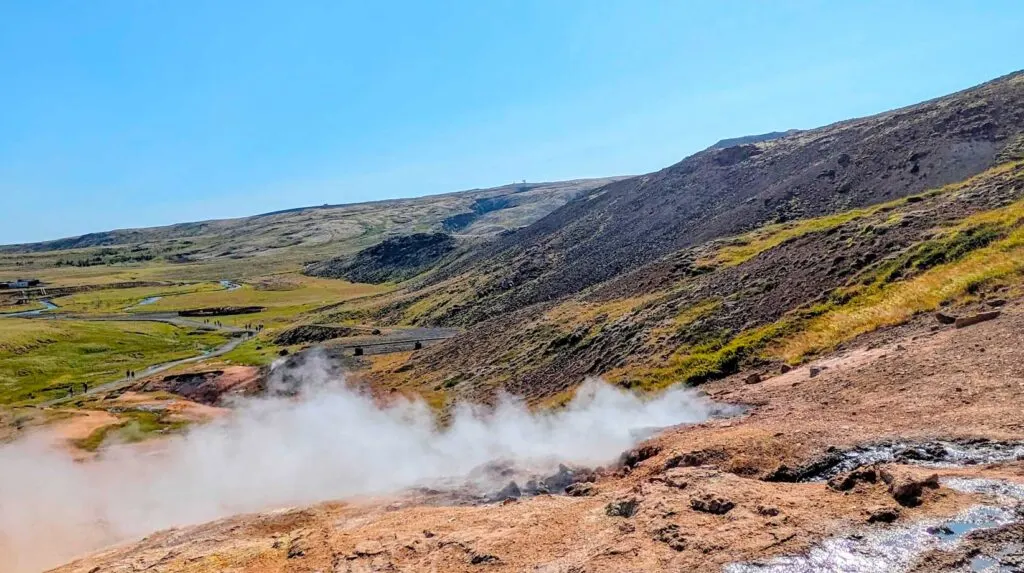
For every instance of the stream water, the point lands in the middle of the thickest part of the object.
(898, 548)
(47, 307)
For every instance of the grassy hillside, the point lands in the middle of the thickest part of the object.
(780, 293)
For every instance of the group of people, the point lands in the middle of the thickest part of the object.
(129, 374)
(71, 389)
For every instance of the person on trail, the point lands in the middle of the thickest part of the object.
(85, 388)
(127, 373)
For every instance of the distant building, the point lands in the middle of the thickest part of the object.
(20, 283)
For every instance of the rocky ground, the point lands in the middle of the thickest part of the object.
(777, 480)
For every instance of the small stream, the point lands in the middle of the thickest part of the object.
(47, 307)
(145, 302)
(898, 548)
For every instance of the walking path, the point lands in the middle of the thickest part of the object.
(155, 369)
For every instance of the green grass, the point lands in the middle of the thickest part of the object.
(140, 425)
(737, 250)
(253, 352)
(116, 301)
(40, 358)
(940, 276)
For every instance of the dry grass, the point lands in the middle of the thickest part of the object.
(897, 302)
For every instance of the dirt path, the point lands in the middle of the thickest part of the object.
(155, 369)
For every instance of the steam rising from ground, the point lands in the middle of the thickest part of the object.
(329, 442)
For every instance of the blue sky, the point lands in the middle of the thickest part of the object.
(146, 112)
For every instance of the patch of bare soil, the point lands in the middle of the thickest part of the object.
(694, 498)
(208, 387)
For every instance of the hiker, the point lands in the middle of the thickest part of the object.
(85, 388)
(127, 373)
(71, 391)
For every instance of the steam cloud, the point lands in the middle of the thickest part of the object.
(330, 442)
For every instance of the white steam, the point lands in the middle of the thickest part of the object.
(329, 442)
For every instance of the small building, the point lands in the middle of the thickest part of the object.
(20, 283)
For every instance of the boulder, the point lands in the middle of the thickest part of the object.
(975, 319)
(582, 489)
(510, 491)
(632, 458)
(905, 487)
(754, 378)
(944, 318)
(623, 507)
(849, 480)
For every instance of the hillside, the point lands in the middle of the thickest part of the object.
(691, 273)
(721, 192)
(296, 236)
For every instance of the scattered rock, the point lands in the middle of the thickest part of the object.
(884, 515)
(709, 503)
(625, 507)
(944, 318)
(754, 378)
(905, 488)
(975, 319)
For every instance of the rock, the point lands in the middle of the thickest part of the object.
(297, 548)
(510, 491)
(884, 515)
(752, 378)
(849, 480)
(709, 503)
(368, 548)
(996, 302)
(671, 536)
(768, 510)
(676, 479)
(814, 371)
(582, 489)
(905, 488)
(975, 319)
(625, 507)
(785, 368)
(925, 453)
(482, 559)
(944, 318)
(632, 458)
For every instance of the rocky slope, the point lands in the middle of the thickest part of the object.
(394, 259)
(720, 192)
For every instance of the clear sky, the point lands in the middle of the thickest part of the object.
(147, 112)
